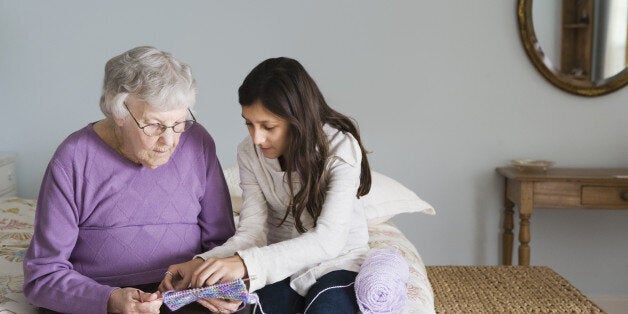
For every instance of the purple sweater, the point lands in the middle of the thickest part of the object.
(104, 222)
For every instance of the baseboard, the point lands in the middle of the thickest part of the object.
(612, 304)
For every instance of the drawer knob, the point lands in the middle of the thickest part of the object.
(624, 195)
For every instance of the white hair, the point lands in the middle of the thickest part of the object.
(155, 76)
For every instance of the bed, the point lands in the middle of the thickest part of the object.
(387, 198)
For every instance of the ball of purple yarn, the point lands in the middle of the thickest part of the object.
(380, 285)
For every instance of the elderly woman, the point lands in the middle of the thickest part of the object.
(127, 196)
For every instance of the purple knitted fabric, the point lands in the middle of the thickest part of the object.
(103, 221)
(234, 290)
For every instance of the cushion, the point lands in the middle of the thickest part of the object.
(386, 199)
(232, 176)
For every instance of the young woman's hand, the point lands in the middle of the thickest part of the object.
(131, 300)
(178, 276)
(216, 270)
(220, 305)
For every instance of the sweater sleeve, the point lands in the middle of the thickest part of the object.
(49, 278)
(251, 229)
(272, 263)
(216, 216)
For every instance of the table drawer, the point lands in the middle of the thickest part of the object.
(613, 196)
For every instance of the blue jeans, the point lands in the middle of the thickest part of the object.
(279, 298)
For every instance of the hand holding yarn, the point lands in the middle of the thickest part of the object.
(179, 276)
(380, 285)
(216, 305)
(131, 300)
(215, 270)
(227, 296)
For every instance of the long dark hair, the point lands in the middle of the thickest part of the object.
(284, 87)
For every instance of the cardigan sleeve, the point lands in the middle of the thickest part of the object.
(272, 263)
(50, 280)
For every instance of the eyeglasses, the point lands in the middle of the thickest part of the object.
(156, 129)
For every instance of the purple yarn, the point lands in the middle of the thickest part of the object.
(380, 285)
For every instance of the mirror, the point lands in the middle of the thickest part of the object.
(578, 45)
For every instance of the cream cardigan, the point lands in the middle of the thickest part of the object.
(272, 252)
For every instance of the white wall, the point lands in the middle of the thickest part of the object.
(443, 92)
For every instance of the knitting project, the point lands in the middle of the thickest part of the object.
(233, 290)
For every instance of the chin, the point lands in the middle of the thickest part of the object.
(270, 155)
(155, 162)
(152, 165)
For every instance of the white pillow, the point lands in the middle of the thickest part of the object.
(386, 199)
(232, 176)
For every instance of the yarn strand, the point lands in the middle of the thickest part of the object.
(321, 292)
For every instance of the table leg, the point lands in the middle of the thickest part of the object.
(507, 237)
(524, 239)
(525, 212)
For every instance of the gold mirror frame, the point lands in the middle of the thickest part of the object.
(529, 40)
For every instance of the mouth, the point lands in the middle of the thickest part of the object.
(161, 151)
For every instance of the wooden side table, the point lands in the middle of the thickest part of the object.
(556, 188)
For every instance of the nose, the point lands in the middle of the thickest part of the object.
(167, 137)
(258, 137)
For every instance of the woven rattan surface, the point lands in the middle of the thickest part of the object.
(505, 289)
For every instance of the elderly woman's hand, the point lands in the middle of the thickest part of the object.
(178, 276)
(131, 300)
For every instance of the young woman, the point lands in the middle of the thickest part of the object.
(301, 227)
